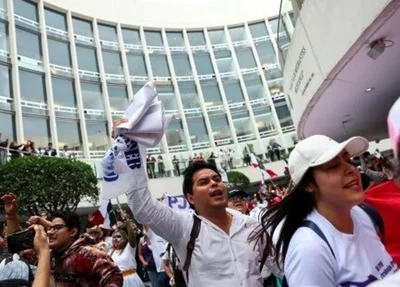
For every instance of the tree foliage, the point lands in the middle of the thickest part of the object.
(238, 179)
(48, 184)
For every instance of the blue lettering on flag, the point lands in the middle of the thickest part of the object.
(109, 174)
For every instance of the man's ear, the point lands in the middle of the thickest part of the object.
(189, 197)
(74, 231)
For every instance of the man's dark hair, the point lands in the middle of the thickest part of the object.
(71, 220)
(188, 176)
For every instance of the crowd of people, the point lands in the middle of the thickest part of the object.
(12, 150)
(335, 224)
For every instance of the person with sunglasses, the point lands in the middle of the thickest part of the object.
(237, 200)
(324, 237)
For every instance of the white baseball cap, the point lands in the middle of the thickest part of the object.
(319, 149)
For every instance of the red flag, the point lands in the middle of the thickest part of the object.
(271, 173)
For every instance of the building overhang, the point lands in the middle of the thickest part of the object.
(333, 86)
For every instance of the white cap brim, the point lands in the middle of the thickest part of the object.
(355, 146)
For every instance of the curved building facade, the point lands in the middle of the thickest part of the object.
(68, 68)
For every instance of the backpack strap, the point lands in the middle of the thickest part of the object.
(315, 228)
(192, 241)
(376, 219)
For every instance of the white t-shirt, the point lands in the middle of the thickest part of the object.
(360, 259)
(125, 259)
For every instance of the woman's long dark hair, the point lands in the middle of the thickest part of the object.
(292, 210)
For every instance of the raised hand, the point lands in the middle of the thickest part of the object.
(10, 204)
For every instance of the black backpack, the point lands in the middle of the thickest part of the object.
(17, 282)
(372, 213)
(178, 273)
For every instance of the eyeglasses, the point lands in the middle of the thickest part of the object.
(236, 198)
(56, 227)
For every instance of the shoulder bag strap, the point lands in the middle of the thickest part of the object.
(190, 246)
(315, 228)
(375, 218)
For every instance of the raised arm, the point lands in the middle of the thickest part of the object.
(165, 222)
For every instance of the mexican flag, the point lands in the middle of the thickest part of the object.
(104, 215)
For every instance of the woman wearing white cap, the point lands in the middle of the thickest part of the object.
(325, 239)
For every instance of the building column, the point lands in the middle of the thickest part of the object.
(222, 91)
(48, 80)
(199, 91)
(124, 62)
(78, 93)
(177, 92)
(15, 84)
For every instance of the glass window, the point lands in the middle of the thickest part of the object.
(153, 38)
(175, 134)
(189, 97)
(112, 63)
(107, 33)
(32, 87)
(175, 39)
(292, 18)
(136, 88)
(246, 59)
(242, 123)
(69, 133)
(159, 65)
(181, 65)
(136, 65)
(29, 45)
(92, 96)
(131, 36)
(27, 9)
(220, 127)
(255, 88)
(87, 59)
(196, 38)
(59, 53)
(5, 80)
(203, 64)
(224, 62)
(63, 92)
(55, 19)
(265, 123)
(197, 130)
(237, 34)
(282, 111)
(82, 27)
(233, 92)
(217, 36)
(166, 94)
(274, 26)
(118, 97)
(4, 36)
(97, 135)
(3, 4)
(7, 126)
(36, 130)
(276, 87)
(266, 53)
(211, 94)
(258, 30)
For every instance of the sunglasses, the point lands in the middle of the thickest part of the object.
(237, 198)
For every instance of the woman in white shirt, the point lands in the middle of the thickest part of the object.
(325, 239)
(123, 253)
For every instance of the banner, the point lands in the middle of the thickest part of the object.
(177, 202)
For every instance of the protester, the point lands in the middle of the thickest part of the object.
(123, 253)
(147, 260)
(237, 200)
(76, 261)
(325, 239)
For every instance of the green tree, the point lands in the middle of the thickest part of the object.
(238, 179)
(48, 184)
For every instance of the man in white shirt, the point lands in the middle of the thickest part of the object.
(222, 255)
